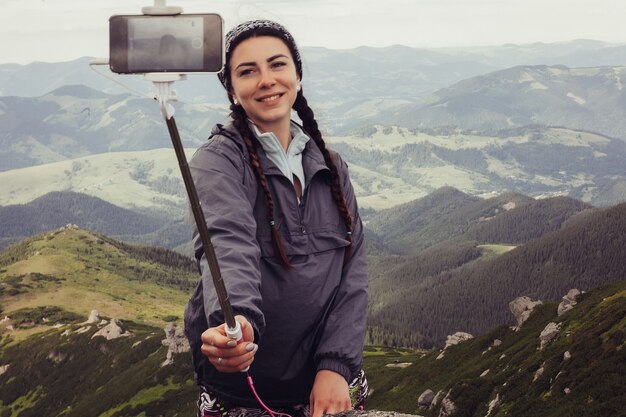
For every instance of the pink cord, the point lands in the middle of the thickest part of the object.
(265, 407)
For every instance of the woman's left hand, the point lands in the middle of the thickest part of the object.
(330, 394)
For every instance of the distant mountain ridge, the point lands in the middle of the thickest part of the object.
(57, 209)
(74, 121)
(590, 99)
(429, 69)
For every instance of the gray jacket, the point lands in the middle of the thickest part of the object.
(309, 318)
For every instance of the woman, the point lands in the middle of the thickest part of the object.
(283, 219)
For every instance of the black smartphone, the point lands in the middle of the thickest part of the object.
(139, 44)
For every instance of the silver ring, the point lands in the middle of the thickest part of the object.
(219, 361)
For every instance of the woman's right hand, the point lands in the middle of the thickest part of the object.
(226, 354)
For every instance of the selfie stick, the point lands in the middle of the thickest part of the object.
(163, 83)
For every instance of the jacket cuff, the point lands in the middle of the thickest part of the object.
(335, 366)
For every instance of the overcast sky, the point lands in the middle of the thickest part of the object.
(62, 30)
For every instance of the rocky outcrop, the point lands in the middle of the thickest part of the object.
(454, 339)
(457, 338)
(426, 399)
(447, 406)
(539, 372)
(176, 341)
(521, 308)
(111, 331)
(569, 301)
(548, 334)
(493, 404)
(94, 317)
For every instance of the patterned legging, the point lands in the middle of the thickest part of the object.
(209, 405)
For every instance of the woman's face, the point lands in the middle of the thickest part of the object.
(264, 81)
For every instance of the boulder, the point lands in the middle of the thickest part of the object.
(521, 308)
(548, 334)
(569, 301)
(176, 341)
(426, 399)
(493, 404)
(94, 317)
(567, 356)
(457, 338)
(4, 368)
(539, 372)
(447, 407)
(111, 331)
(437, 398)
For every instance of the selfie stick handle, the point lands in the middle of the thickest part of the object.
(164, 95)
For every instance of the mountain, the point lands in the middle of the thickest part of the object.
(441, 215)
(418, 300)
(80, 270)
(589, 99)
(392, 165)
(49, 284)
(75, 121)
(56, 209)
(448, 214)
(121, 363)
(419, 70)
(580, 372)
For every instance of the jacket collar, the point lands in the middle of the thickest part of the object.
(312, 158)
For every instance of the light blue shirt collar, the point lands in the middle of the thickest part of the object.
(289, 162)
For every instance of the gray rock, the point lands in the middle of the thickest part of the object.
(548, 334)
(521, 308)
(94, 317)
(457, 338)
(426, 399)
(447, 406)
(111, 331)
(493, 404)
(437, 398)
(4, 368)
(176, 341)
(539, 372)
(569, 301)
(567, 356)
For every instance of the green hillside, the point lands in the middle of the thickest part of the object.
(418, 301)
(503, 363)
(84, 270)
(449, 214)
(66, 371)
(51, 362)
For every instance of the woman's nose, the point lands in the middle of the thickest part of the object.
(267, 79)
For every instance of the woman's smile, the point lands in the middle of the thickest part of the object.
(265, 82)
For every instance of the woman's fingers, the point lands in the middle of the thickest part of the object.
(226, 354)
(234, 363)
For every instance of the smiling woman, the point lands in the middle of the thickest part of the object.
(284, 222)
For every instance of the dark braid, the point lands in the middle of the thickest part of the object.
(239, 121)
(301, 106)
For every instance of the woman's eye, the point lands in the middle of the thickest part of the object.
(278, 64)
(245, 72)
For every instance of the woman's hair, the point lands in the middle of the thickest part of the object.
(301, 106)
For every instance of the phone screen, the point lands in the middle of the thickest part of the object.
(180, 43)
